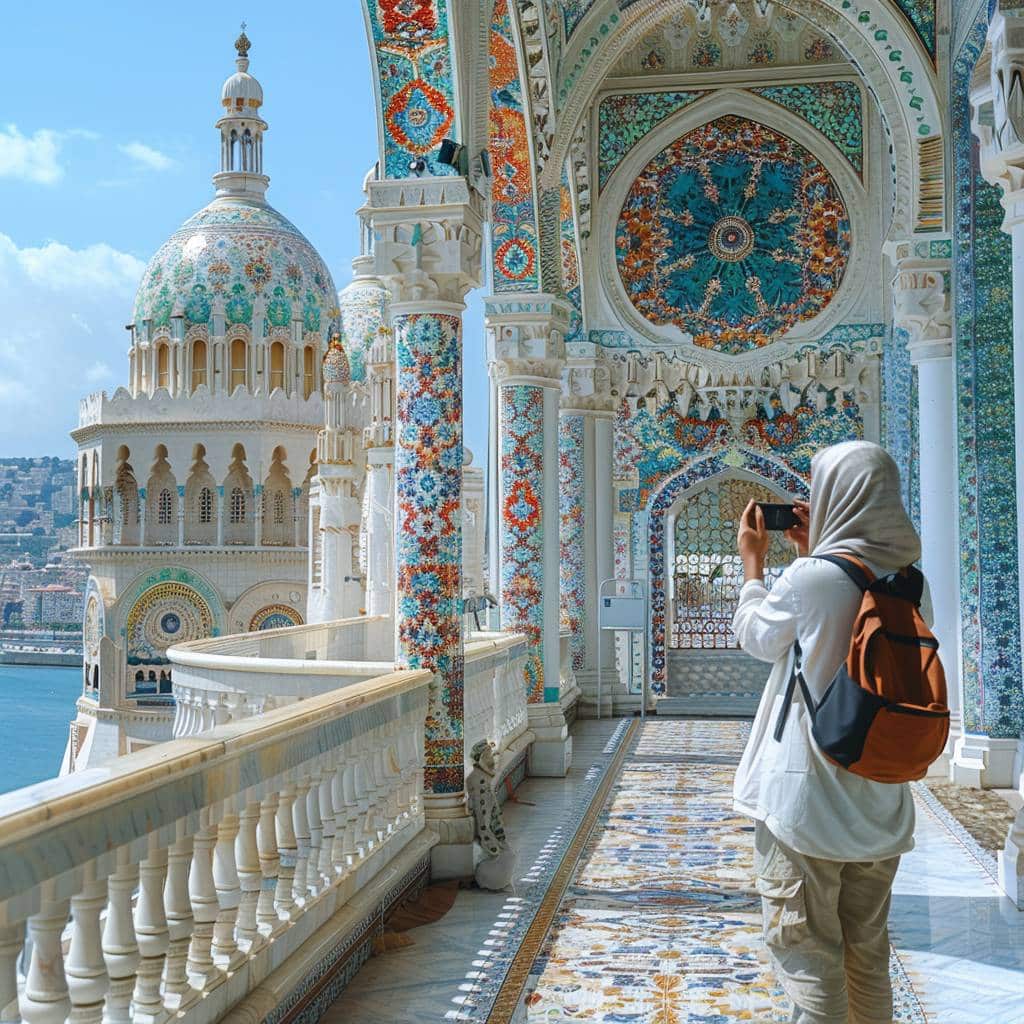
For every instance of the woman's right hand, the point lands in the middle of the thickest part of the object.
(799, 535)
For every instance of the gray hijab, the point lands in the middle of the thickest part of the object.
(857, 507)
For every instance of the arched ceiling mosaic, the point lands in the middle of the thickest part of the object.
(734, 233)
(835, 109)
(414, 73)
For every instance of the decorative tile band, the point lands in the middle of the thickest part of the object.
(414, 69)
(513, 214)
(523, 586)
(572, 579)
(428, 487)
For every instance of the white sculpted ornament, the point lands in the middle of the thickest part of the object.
(494, 872)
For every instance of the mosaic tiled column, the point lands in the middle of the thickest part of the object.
(417, 224)
(923, 317)
(586, 499)
(990, 324)
(527, 335)
(998, 122)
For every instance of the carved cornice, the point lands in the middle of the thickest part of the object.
(922, 307)
(545, 373)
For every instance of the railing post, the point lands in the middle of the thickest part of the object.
(44, 999)
(120, 948)
(179, 995)
(250, 879)
(325, 796)
(267, 917)
(152, 935)
(205, 907)
(284, 901)
(85, 967)
(314, 882)
(12, 941)
(300, 826)
(225, 951)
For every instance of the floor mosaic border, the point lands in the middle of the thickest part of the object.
(938, 811)
(496, 997)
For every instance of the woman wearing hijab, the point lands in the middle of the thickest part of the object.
(827, 842)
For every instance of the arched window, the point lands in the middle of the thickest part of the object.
(198, 363)
(140, 676)
(233, 153)
(206, 505)
(163, 364)
(237, 506)
(163, 507)
(308, 374)
(95, 677)
(238, 361)
(279, 508)
(276, 365)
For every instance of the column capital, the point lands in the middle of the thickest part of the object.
(922, 305)
(428, 234)
(588, 382)
(997, 110)
(526, 338)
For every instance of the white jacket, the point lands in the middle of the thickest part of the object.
(808, 803)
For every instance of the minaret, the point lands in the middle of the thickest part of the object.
(335, 591)
(241, 131)
(380, 467)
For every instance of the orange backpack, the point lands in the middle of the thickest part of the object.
(884, 715)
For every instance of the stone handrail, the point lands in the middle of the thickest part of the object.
(191, 870)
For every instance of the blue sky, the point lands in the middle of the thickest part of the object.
(107, 144)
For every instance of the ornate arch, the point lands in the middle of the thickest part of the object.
(414, 80)
(698, 471)
(876, 38)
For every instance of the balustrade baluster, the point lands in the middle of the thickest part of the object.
(179, 995)
(367, 835)
(314, 882)
(202, 972)
(287, 851)
(300, 825)
(44, 999)
(12, 941)
(339, 854)
(352, 837)
(120, 948)
(85, 967)
(250, 879)
(268, 919)
(152, 935)
(326, 801)
(226, 954)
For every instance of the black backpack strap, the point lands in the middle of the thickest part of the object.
(851, 568)
(796, 678)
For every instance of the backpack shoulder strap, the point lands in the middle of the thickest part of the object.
(853, 567)
(796, 678)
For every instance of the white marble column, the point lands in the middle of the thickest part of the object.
(379, 440)
(922, 311)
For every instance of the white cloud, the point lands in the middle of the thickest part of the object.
(98, 372)
(147, 156)
(33, 158)
(62, 334)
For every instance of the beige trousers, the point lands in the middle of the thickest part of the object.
(826, 927)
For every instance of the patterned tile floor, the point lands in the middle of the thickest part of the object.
(658, 924)
(984, 814)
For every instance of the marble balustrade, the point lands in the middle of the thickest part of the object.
(173, 882)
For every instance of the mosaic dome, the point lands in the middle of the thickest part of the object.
(735, 234)
(336, 368)
(236, 250)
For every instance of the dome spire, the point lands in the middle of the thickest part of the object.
(241, 130)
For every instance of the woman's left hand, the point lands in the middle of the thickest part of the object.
(752, 541)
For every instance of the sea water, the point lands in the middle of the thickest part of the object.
(37, 704)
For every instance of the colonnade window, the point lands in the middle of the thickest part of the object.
(276, 365)
(308, 372)
(279, 509)
(164, 511)
(163, 363)
(237, 505)
(206, 505)
(198, 363)
(239, 354)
